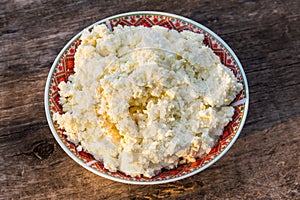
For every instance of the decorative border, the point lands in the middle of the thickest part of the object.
(63, 67)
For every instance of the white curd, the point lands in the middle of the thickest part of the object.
(142, 99)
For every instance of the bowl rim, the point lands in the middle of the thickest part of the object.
(106, 20)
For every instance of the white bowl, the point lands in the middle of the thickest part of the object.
(63, 67)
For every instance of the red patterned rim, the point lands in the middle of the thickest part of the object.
(63, 67)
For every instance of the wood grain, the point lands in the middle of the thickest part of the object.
(263, 164)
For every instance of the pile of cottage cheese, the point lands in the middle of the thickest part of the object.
(142, 99)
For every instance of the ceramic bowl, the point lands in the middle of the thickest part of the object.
(63, 67)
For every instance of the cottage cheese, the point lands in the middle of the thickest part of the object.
(142, 99)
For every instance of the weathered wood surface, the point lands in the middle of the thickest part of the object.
(264, 163)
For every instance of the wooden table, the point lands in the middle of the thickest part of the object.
(262, 164)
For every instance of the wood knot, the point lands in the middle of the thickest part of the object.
(43, 150)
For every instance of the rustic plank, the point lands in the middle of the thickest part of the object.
(264, 162)
(256, 166)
